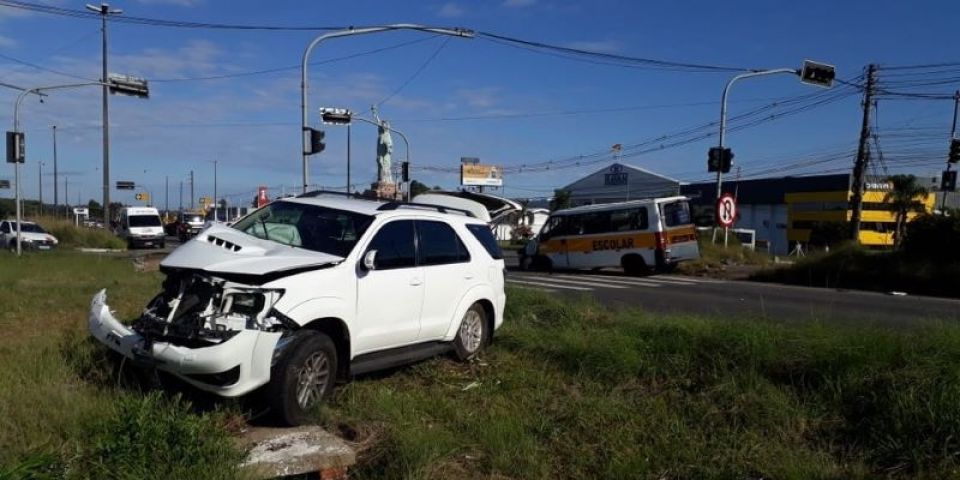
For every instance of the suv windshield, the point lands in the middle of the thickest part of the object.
(192, 219)
(143, 221)
(26, 228)
(312, 227)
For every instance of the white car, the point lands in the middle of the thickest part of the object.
(32, 236)
(311, 290)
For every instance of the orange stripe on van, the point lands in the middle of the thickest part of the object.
(599, 242)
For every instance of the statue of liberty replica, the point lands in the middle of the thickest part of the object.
(385, 187)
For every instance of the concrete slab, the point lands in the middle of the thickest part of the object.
(281, 452)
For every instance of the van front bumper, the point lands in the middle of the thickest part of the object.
(232, 368)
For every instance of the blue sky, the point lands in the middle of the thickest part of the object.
(250, 124)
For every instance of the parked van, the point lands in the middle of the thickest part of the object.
(141, 227)
(638, 235)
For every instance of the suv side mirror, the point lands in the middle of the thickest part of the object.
(370, 260)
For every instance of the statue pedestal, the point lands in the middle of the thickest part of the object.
(384, 191)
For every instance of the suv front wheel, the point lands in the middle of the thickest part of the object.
(302, 377)
(472, 335)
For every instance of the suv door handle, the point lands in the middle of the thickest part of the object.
(415, 281)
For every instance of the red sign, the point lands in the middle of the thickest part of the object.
(262, 197)
(726, 210)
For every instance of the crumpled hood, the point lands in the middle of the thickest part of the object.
(33, 236)
(221, 249)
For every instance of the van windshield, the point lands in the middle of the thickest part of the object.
(312, 227)
(676, 213)
(143, 221)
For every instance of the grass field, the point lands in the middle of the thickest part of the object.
(568, 390)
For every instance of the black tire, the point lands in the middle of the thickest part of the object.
(634, 265)
(473, 333)
(541, 263)
(130, 245)
(287, 400)
(163, 244)
(524, 263)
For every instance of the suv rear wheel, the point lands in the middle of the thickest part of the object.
(473, 333)
(303, 377)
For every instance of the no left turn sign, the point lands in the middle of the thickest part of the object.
(726, 210)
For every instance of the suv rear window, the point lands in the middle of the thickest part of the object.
(485, 237)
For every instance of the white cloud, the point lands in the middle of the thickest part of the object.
(484, 97)
(601, 46)
(518, 3)
(7, 42)
(451, 10)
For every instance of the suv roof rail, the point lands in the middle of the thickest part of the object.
(317, 193)
(441, 209)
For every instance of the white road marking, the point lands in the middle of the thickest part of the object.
(660, 280)
(692, 279)
(618, 280)
(587, 282)
(548, 285)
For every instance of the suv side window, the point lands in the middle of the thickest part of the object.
(4, 227)
(439, 244)
(395, 245)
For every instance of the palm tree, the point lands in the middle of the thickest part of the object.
(904, 200)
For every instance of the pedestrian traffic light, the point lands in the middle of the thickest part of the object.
(315, 142)
(954, 156)
(719, 159)
(819, 74)
(405, 171)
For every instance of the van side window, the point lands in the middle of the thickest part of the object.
(4, 227)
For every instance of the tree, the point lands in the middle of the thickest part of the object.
(903, 199)
(416, 188)
(560, 200)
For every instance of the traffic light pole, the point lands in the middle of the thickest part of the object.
(304, 120)
(723, 110)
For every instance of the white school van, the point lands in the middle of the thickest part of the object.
(638, 235)
(141, 227)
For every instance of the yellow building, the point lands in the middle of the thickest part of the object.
(807, 210)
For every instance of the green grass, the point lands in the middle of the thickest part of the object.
(62, 413)
(569, 389)
(852, 266)
(71, 236)
(714, 257)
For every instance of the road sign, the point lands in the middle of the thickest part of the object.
(16, 147)
(726, 210)
(81, 211)
(4, 183)
(143, 197)
(125, 185)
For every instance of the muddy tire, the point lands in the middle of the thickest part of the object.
(302, 377)
(472, 335)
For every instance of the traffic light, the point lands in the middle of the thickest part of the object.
(16, 147)
(819, 74)
(315, 142)
(719, 159)
(948, 181)
(405, 172)
(954, 156)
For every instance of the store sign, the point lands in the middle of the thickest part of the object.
(615, 176)
(481, 175)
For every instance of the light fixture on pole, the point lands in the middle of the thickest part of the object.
(305, 131)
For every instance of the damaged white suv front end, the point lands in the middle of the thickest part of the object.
(214, 332)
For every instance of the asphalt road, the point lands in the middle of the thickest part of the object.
(742, 299)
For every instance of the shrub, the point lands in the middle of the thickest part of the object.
(72, 236)
(934, 237)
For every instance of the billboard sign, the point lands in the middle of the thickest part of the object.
(481, 175)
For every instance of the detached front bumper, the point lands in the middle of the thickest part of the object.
(235, 367)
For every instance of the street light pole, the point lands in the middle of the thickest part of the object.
(216, 216)
(56, 188)
(348, 159)
(105, 11)
(40, 184)
(304, 121)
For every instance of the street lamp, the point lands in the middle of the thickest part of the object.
(342, 116)
(304, 131)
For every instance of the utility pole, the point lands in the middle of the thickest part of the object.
(56, 188)
(40, 184)
(348, 159)
(181, 195)
(863, 155)
(953, 135)
(105, 11)
(191, 190)
(166, 194)
(215, 201)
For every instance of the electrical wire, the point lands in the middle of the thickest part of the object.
(416, 72)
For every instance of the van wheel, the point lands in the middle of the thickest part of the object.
(303, 377)
(541, 263)
(472, 335)
(634, 265)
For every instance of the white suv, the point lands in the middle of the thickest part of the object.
(311, 290)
